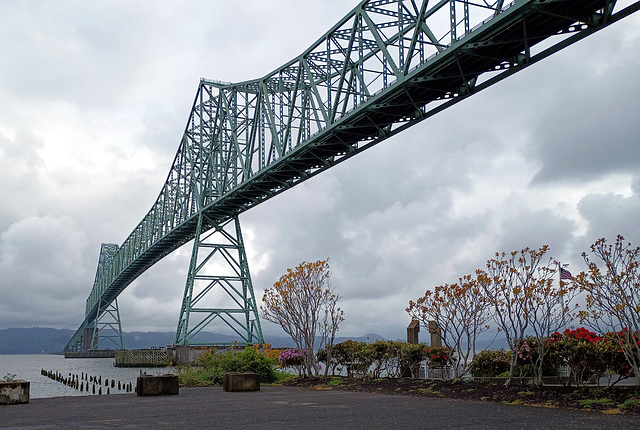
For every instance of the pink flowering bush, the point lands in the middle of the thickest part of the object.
(290, 357)
(528, 363)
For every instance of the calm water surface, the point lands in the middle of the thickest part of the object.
(28, 367)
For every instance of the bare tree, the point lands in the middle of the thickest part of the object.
(549, 311)
(520, 288)
(330, 325)
(303, 303)
(461, 311)
(613, 296)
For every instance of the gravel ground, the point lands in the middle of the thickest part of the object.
(278, 407)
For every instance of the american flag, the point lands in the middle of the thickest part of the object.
(565, 274)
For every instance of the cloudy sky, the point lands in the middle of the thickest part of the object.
(94, 97)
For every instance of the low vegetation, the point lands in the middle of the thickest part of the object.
(391, 361)
(210, 368)
(545, 364)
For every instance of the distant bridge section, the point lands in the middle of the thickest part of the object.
(384, 67)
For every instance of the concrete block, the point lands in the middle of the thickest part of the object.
(14, 392)
(151, 385)
(179, 354)
(185, 354)
(235, 381)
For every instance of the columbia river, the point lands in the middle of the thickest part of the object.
(28, 367)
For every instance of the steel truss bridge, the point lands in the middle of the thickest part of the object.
(384, 67)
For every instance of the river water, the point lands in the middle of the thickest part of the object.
(28, 367)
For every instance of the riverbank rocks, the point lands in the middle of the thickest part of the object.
(14, 392)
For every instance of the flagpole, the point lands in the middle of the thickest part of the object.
(560, 273)
(564, 321)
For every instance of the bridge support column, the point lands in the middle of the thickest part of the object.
(88, 337)
(106, 328)
(218, 286)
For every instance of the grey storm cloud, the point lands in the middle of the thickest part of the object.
(42, 260)
(95, 96)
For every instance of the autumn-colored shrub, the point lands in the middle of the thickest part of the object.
(304, 304)
(271, 353)
(612, 296)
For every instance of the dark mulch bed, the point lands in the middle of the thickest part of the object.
(609, 400)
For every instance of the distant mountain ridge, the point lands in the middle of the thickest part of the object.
(36, 340)
(39, 340)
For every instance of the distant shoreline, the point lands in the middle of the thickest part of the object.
(39, 340)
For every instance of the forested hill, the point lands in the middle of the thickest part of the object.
(50, 341)
(33, 340)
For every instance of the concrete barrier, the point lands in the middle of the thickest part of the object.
(235, 381)
(14, 392)
(187, 355)
(151, 385)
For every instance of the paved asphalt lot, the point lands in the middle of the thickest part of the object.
(281, 408)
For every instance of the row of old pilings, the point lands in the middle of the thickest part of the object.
(88, 383)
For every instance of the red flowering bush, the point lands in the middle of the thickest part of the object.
(440, 356)
(581, 351)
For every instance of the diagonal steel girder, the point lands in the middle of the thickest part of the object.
(384, 67)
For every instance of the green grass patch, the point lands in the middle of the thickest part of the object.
(197, 377)
(335, 382)
(429, 392)
(630, 403)
(597, 403)
(281, 377)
